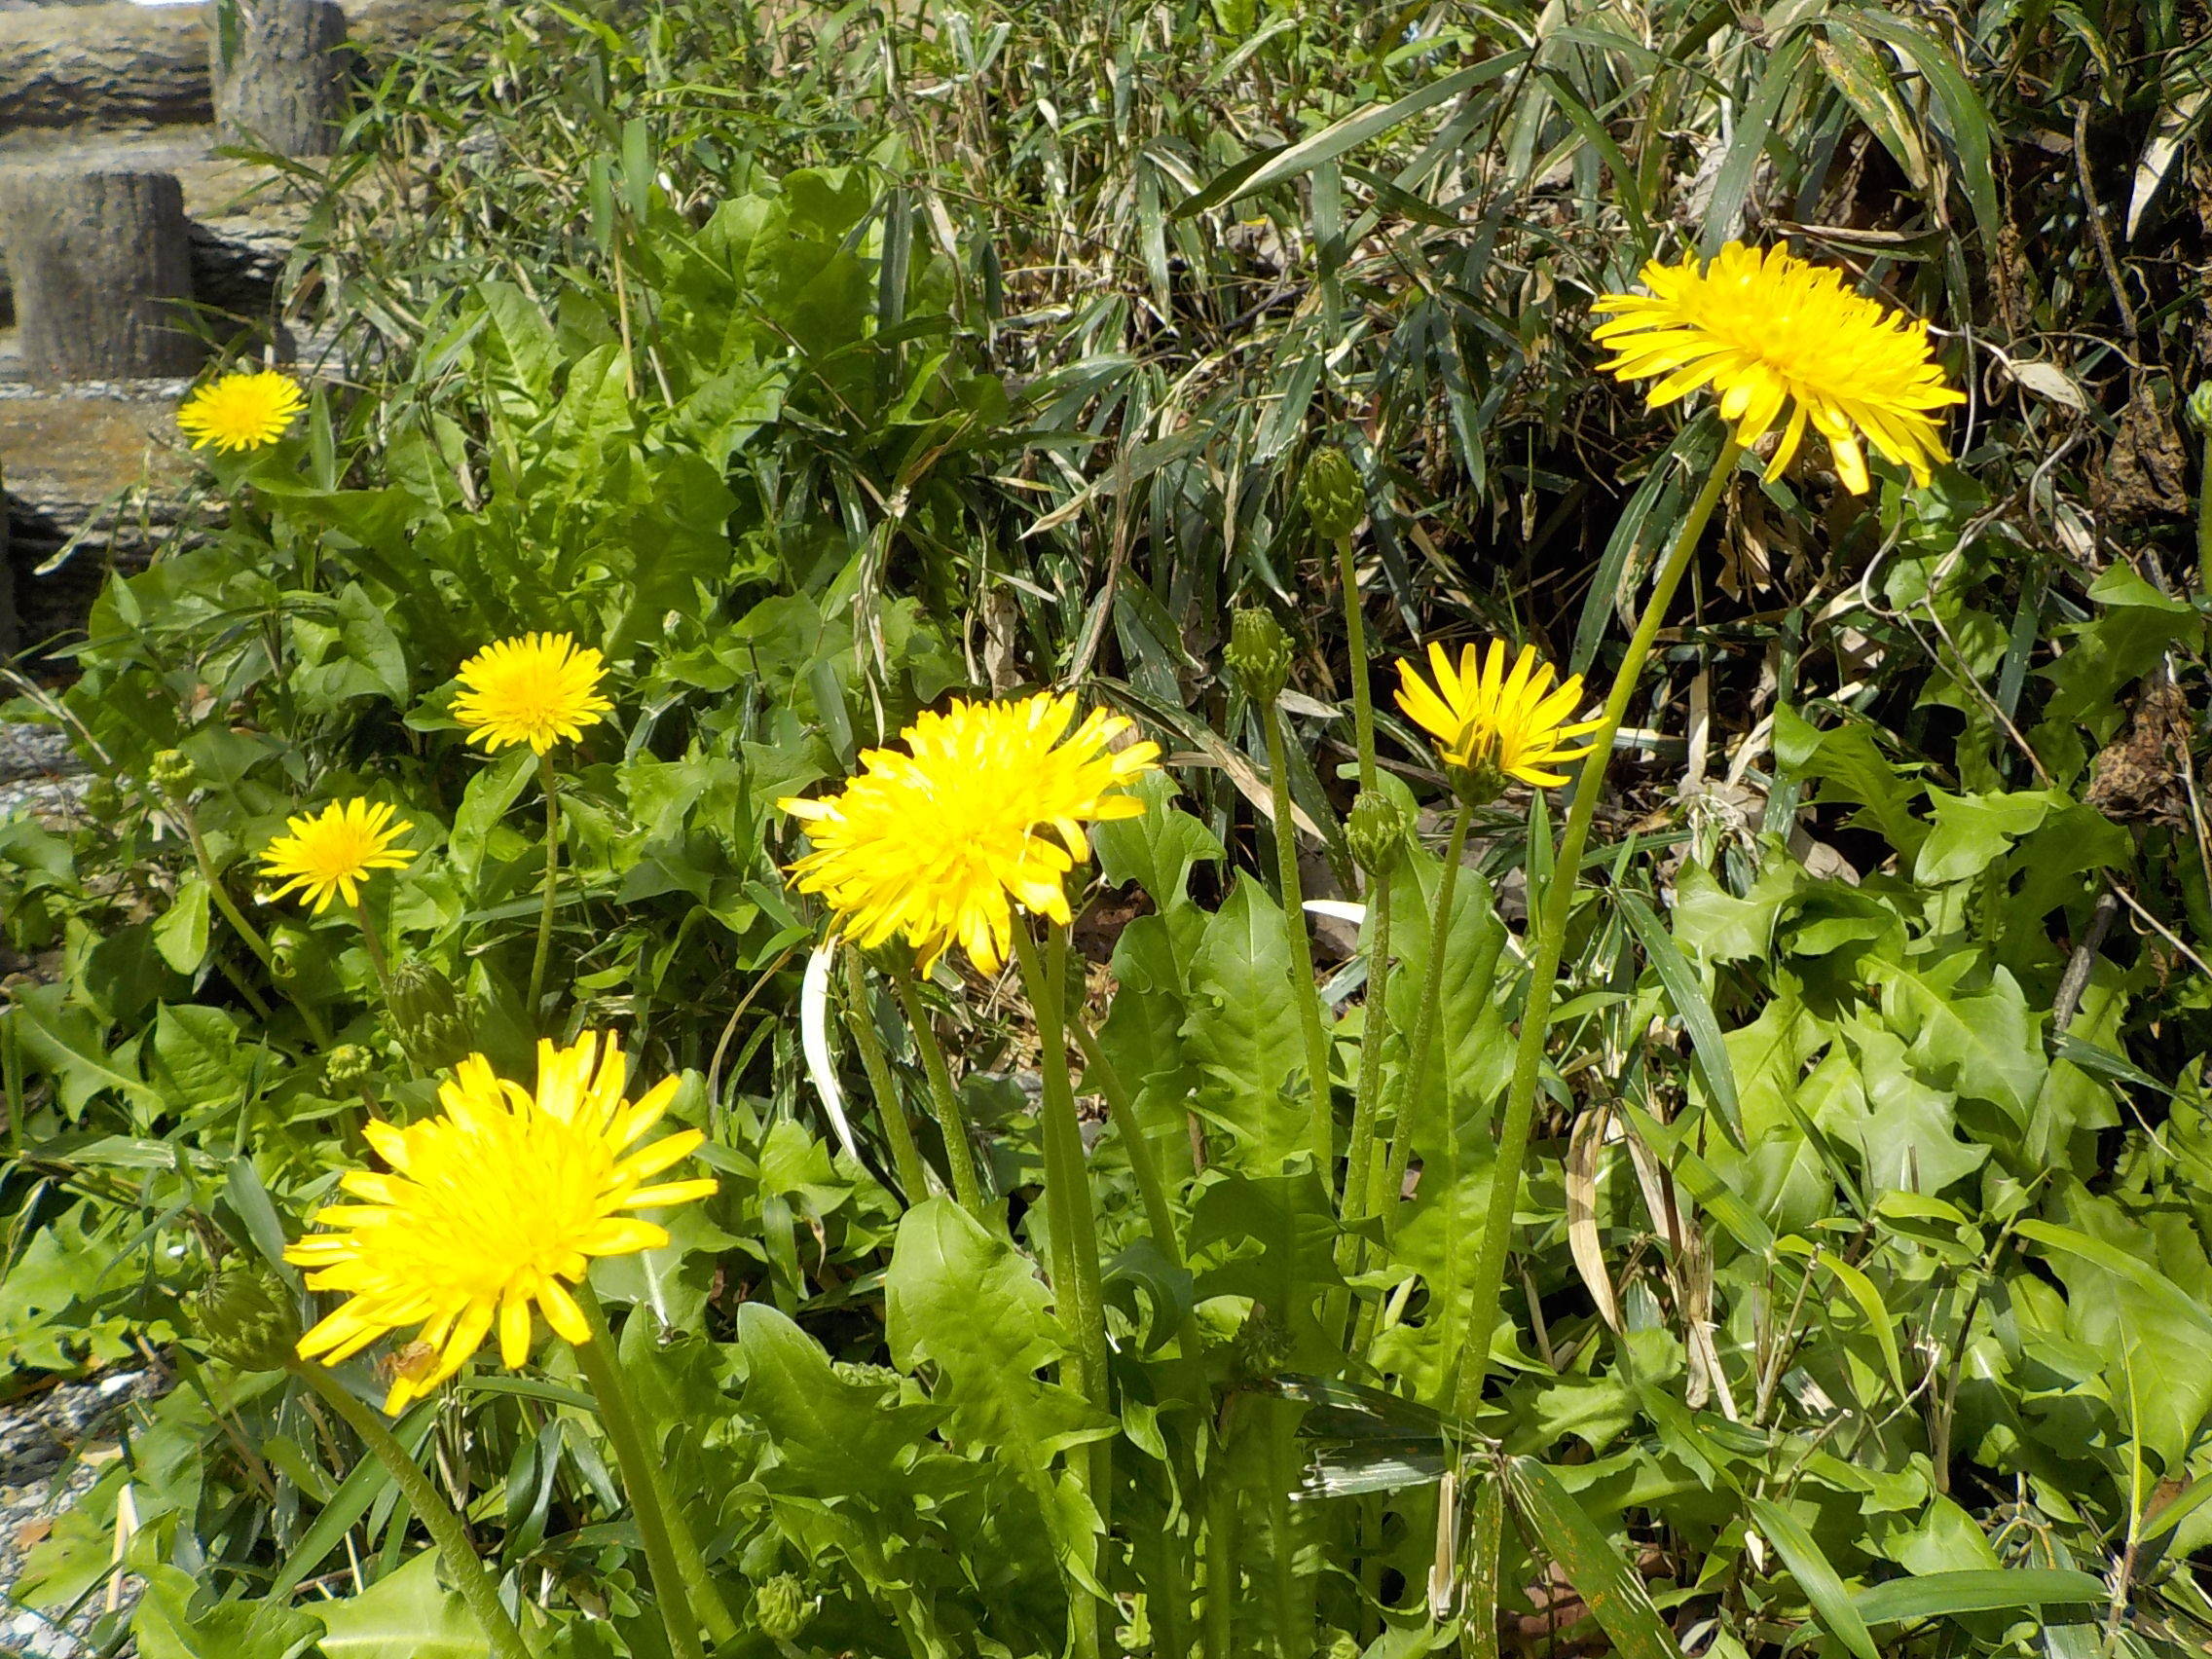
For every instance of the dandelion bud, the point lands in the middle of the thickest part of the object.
(242, 1320)
(284, 947)
(781, 1608)
(428, 1016)
(1262, 1348)
(173, 772)
(1342, 1644)
(1376, 830)
(2200, 408)
(1258, 655)
(348, 1064)
(1331, 491)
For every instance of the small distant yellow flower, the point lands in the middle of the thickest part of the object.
(1485, 718)
(243, 411)
(938, 844)
(1769, 331)
(333, 851)
(536, 689)
(488, 1207)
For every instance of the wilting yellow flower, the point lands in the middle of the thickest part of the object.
(938, 843)
(537, 689)
(242, 411)
(1769, 331)
(1487, 719)
(333, 852)
(488, 1208)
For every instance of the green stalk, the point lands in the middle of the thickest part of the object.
(1304, 993)
(548, 784)
(687, 1596)
(244, 929)
(437, 1515)
(1385, 1202)
(1550, 939)
(959, 1154)
(1367, 1098)
(1068, 1213)
(1073, 1241)
(1355, 640)
(374, 944)
(1144, 1163)
(907, 1157)
(2204, 522)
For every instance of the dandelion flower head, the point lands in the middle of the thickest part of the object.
(1772, 333)
(1485, 716)
(984, 810)
(488, 1208)
(539, 690)
(331, 851)
(250, 409)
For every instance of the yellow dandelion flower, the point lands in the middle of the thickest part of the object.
(488, 1208)
(1769, 331)
(536, 689)
(243, 411)
(939, 843)
(333, 851)
(1484, 717)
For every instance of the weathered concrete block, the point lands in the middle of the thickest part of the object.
(103, 65)
(280, 71)
(100, 262)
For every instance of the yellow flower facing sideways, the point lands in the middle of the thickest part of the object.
(1771, 333)
(539, 690)
(1484, 716)
(984, 811)
(488, 1208)
(250, 409)
(331, 853)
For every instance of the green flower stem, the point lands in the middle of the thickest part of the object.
(445, 1527)
(1068, 1214)
(1144, 1162)
(907, 1157)
(687, 1596)
(549, 785)
(1384, 1201)
(1072, 1237)
(374, 944)
(1321, 1131)
(958, 1153)
(244, 929)
(1356, 641)
(1550, 942)
(1367, 1099)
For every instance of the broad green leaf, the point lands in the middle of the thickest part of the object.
(194, 1059)
(1999, 1590)
(1713, 924)
(180, 934)
(1973, 831)
(407, 1615)
(1157, 849)
(1242, 1030)
(1982, 1045)
(963, 1299)
(1831, 1604)
(483, 806)
(165, 1626)
(1276, 1240)
(832, 1436)
(1851, 768)
(1609, 1586)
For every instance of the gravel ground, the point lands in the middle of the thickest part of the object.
(51, 1446)
(37, 773)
